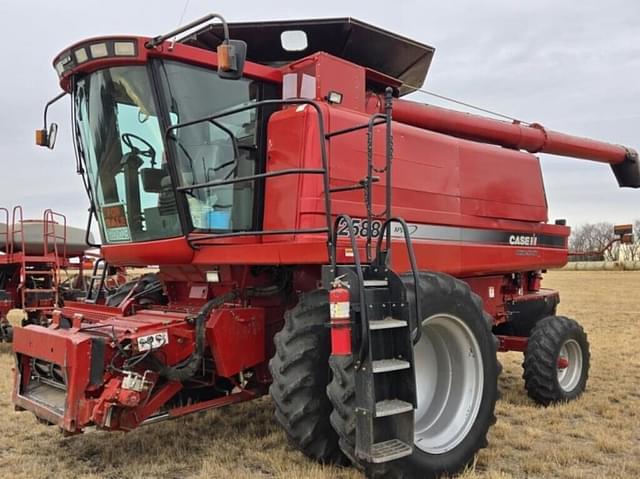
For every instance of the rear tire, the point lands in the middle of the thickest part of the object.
(441, 297)
(300, 371)
(553, 340)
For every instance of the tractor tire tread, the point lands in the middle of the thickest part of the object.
(541, 356)
(341, 390)
(300, 375)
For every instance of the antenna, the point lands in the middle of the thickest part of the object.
(184, 11)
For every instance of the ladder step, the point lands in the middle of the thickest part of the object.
(375, 283)
(388, 365)
(40, 290)
(389, 451)
(387, 323)
(389, 407)
(38, 272)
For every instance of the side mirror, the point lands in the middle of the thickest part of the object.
(231, 57)
(47, 138)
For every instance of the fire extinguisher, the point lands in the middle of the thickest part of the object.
(340, 318)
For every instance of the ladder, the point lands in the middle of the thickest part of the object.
(95, 290)
(55, 243)
(383, 321)
(44, 271)
(385, 384)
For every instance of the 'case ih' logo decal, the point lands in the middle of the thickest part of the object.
(523, 240)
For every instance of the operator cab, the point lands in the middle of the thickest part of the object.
(142, 130)
(121, 115)
(140, 108)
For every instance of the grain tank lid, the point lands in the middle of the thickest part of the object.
(347, 38)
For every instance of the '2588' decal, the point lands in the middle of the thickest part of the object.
(360, 228)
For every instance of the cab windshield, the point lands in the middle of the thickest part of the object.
(121, 137)
(121, 140)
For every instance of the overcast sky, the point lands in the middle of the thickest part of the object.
(573, 66)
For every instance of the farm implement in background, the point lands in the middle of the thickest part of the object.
(621, 235)
(33, 254)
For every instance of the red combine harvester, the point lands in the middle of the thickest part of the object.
(359, 256)
(32, 254)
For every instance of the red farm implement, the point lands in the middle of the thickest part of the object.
(32, 255)
(359, 256)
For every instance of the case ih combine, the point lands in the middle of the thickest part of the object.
(359, 256)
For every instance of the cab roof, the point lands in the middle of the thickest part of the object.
(355, 41)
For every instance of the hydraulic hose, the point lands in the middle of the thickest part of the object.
(189, 367)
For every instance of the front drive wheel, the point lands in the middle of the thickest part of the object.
(456, 373)
(556, 361)
(300, 370)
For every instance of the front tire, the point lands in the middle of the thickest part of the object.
(300, 371)
(556, 361)
(456, 370)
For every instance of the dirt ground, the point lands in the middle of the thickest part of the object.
(596, 436)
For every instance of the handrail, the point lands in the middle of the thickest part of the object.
(331, 227)
(49, 220)
(50, 232)
(257, 176)
(17, 212)
(201, 237)
(6, 230)
(388, 107)
(386, 226)
(368, 191)
(364, 321)
(324, 171)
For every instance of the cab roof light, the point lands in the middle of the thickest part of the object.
(63, 63)
(98, 50)
(124, 49)
(59, 68)
(81, 55)
(95, 51)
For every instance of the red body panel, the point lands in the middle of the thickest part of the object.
(231, 331)
(68, 349)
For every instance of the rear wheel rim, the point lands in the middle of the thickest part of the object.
(449, 383)
(569, 376)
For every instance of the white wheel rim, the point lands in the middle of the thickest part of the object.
(569, 376)
(449, 383)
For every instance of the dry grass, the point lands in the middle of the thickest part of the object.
(596, 436)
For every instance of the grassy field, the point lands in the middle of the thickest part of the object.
(596, 436)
